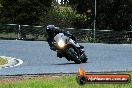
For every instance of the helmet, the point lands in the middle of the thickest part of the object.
(50, 28)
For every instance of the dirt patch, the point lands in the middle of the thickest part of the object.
(11, 79)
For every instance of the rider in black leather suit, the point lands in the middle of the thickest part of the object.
(52, 31)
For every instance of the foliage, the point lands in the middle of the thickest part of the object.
(114, 14)
(61, 16)
(111, 14)
(24, 11)
(84, 7)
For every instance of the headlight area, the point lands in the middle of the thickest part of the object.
(61, 43)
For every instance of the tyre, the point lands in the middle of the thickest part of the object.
(59, 55)
(84, 58)
(72, 55)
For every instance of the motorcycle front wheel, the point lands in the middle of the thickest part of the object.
(72, 55)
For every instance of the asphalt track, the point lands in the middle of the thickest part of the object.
(39, 59)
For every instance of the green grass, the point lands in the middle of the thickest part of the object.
(3, 61)
(63, 82)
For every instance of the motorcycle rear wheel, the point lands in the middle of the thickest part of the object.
(84, 58)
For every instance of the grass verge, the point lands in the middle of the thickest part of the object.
(3, 61)
(53, 82)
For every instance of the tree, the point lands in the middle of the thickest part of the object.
(114, 14)
(24, 11)
(84, 7)
(111, 14)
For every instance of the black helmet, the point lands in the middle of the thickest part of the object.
(50, 28)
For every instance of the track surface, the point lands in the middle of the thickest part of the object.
(38, 58)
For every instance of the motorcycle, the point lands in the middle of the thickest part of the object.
(67, 48)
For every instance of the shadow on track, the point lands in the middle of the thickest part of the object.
(67, 63)
(64, 63)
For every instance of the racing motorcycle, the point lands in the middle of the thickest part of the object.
(66, 47)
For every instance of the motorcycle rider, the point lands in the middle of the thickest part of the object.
(52, 31)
